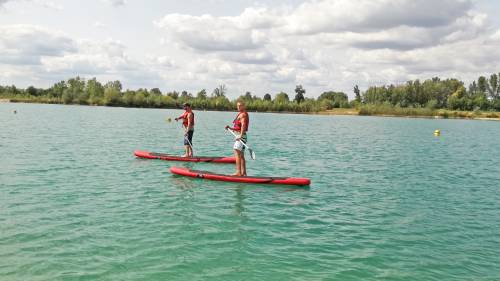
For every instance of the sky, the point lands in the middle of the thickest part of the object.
(260, 47)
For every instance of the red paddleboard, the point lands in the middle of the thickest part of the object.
(218, 177)
(167, 157)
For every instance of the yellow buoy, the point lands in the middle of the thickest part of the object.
(437, 132)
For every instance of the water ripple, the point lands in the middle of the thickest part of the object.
(388, 200)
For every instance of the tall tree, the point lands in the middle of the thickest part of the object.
(248, 96)
(186, 95)
(357, 93)
(95, 91)
(201, 94)
(493, 86)
(300, 91)
(57, 89)
(76, 91)
(482, 84)
(220, 91)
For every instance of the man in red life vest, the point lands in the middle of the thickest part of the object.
(188, 124)
(240, 126)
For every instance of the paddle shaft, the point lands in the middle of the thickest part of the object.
(252, 154)
(186, 136)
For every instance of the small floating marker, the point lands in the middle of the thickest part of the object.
(437, 132)
(169, 119)
(14, 111)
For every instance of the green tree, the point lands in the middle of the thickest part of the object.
(493, 86)
(202, 94)
(357, 94)
(111, 96)
(32, 91)
(458, 99)
(140, 98)
(220, 91)
(267, 97)
(300, 91)
(117, 85)
(247, 97)
(186, 95)
(95, 91)
(75, 91)
(155, 91)
(281, 97)
(57, 89)
(128, 98)
(482, 84)
(67, 96)
(338, 99)
(174, 95)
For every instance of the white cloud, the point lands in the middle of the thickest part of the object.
(116, 3)
(92, 58)
(49, 5)
(369, 15)
(22, 43)
(364, 24)
(496, 36)
(44, 54)
(162, 61)
(321, 44)
(249, 57)
(331, 43)
(208, 33)
(99, 24)
(43, 3)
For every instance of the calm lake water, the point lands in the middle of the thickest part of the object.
(388, 200)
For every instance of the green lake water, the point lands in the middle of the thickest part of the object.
(388, 199)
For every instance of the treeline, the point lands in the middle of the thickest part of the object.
(92, 92)
(432, 94)
(482, 94)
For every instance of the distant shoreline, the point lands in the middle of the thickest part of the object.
(439, 114)
(417, 112)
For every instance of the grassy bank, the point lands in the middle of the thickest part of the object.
(384, 110)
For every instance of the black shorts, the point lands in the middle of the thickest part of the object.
(188, 136)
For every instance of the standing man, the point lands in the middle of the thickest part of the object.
(240, 126)
(188, 124)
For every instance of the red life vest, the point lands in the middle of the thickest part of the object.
(185, 119)
(237, 123)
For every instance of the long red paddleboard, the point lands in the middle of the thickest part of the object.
(218, 177)
(167, 157)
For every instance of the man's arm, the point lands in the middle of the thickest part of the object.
(180, 117)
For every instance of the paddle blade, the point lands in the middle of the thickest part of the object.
(252, 153)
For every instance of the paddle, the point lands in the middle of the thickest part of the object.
(186, 138)
(252, 153)
(185, 135)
